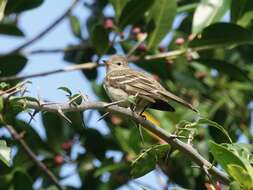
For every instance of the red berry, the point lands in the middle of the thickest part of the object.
(116, 120)
(58, 159)
(191, 37)
(179, 41)
(108, 23)
(67, 145)
(136, 30)
(218, 185)
(142, 48)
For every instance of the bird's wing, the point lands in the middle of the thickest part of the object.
(135, 82)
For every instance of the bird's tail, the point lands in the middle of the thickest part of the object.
(171, 96)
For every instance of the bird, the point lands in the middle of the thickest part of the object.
(121, 82)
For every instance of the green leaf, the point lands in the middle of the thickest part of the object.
(240, 175)
(75, 26)
(10, 29)
(54, 129)
(1, 104)
(118, 6)
(161, 17)
(224, 67)
(14, 6)
(208, 12)
(65, 89)
(241, 12)
(5, 153)
(216, 125)
(100, 39)
(11, 64)
(133, 11)
(222, 35)
(22, 181)
(147, 160)
(76, 99)
(2, 8)
(224, 156)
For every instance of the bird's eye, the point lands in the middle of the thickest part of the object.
(119, 63)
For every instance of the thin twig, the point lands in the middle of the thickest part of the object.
(169, 138)
(83, 66)
(46, 30)
(33, 157)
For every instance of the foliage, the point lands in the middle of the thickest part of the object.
(210, 66)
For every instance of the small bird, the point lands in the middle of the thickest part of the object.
(121, 82)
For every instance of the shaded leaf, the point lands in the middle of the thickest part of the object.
(75, 26)
(231, 34)
(65, 89)
(100, 39)
(10, 29)
(11, 64)
(118, 6)
(216, 125)
(241, 12)
(133, 11)
(22, 181)
(19, 6)
(224, 67)
(5, 153)
(161, 16)
(109, 168)
(208, 12)
(147, 160)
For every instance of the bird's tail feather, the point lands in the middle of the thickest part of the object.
(177, 99)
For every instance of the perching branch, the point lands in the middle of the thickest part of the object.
(46, 30)
(31, 154)
(164, 135)
(89, 65)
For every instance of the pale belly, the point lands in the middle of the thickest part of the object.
(116, 94)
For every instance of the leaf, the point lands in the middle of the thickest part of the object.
(5, 153)
(241, 12)
(222, 35)
(240, 175)
(2, 8)
(147, 160)
(224, 67)
(10, 29)
(1, 104)
(216, 125)
(75, 26)
(22, 181)
(225, 157)
(100, 39)
(208, 12)
(133, 11)
(161, 17)
(118, 6)
(14, 6)
(65, 89)
(11, 64)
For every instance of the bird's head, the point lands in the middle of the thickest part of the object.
(116, 62)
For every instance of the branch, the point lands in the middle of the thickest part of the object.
(87, 66)
(31, 154)
(46, 30)
(169, 138)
